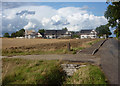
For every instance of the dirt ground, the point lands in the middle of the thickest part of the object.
(12, 46)
(11, 43)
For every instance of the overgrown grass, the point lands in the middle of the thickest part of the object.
(93, 42)
(51, 50)
(87, 75)
(35, 52)
(118, 38)
(21, 71)
(75, 50)
(16, 52)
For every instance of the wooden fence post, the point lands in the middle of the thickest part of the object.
(68, 46)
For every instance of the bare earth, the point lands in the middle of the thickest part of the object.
(13, 42)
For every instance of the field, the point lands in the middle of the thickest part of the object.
(12, 46)
(22, 71)
(26, 71)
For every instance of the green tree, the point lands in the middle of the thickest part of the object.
(113, 15)
(6, 35)
(13, 35)
(117, 32)
(41, 31)
(75, 36)
(20, 33)
(103, 30)
(64, 28)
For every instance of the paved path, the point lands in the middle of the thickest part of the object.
(109, 59)
(65, 57)
(92, 48)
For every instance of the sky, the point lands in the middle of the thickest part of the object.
(53, 0)
(52, 15)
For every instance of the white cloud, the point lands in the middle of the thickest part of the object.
(74, 18)
(56, 18)
(30, 25)
(54, 1)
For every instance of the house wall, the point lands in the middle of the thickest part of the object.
(50, 36)
(92, 35)
(54, 36)
(30, 36)
(88, 36)
(39, 36)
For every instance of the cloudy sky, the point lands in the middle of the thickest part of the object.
(52, 15)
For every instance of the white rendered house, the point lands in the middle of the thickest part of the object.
(30, 34)
(88, 34)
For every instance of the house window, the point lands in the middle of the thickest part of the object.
(48, 36)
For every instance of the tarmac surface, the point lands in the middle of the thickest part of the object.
(109, 54)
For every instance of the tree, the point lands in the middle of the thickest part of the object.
(13, 34)
(20, 33)
(41, 31)
(64, 28)
(6, 35)
(103, 30)
(75, 36)
(117, 32)
(113, 15)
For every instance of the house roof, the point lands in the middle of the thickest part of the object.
(30, 32)
(88, 31)
(55, 32)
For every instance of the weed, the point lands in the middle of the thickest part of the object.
(87, 75)
(33, 72)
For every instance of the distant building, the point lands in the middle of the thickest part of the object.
(51, 34)
(88, 34)
(30, 34)
(39, 35)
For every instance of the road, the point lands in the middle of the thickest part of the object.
(109, 59)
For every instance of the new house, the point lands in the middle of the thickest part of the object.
(88, 34)
(51, 34)
(30, 34)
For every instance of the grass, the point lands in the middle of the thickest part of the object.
(54, 49)
(24, 71)
(89, 74)
(118, 38)
(20, 71)
(75, 50)
(93, 42)
(16, 52)
(12, 47)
